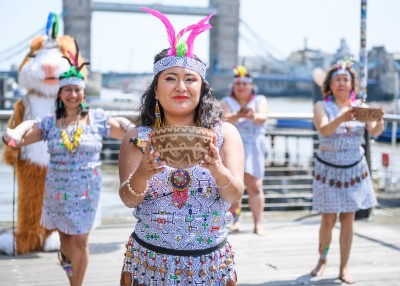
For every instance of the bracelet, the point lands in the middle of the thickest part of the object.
(230, 181)
(128, 184)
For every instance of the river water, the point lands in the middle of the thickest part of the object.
(300, 151)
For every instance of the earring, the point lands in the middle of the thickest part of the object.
(158, 122)
(84, 105)
(198, 121)
(60, 104)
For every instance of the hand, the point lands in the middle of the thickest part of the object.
(250, 114)
(213, 162)
(381, 113)
(349, 115)
(11, 137)
(243, 112)
(150, 165)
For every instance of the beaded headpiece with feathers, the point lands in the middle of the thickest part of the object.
(73, 76)
(241, 74)
(342, 66)
(180, 52)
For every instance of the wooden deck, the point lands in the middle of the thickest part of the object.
(284, 256)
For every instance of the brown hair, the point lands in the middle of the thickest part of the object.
(326, 89)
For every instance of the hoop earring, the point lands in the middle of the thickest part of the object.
(158, 122)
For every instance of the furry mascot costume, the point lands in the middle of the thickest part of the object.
(38, 73)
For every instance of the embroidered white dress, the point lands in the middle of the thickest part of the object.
(73, 183)
(342, 189)
(200, 222)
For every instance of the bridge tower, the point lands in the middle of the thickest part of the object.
(224, 36)
(224, 44)
(77, 23)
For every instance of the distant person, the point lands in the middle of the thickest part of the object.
(249, 113)
(342, 181)
(180, 237)
(73, 181)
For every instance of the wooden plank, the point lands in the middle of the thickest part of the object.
(284, 256)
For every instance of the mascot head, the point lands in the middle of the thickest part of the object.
(41, 68)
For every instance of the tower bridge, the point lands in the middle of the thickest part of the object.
(224, 37)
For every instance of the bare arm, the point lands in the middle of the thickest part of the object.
(229, 115)
(142, 166)
(322, 123)
(261, 114)
(119, 126)
(227, 167)
(24, 134)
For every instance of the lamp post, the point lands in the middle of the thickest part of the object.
(363, 79)
(363, 64)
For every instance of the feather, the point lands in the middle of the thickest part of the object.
(82, 65)
(77, 52)
(181, 48)
(240, 71)
(201, 27)
(72, 57)
(68, 59)
(55, 27)
(49, 24)
(168, 26)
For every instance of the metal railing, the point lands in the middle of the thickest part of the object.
(288, 163)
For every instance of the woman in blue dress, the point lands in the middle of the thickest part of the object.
(342, 183)
(249, 113)
(73, 181)
(180, 237)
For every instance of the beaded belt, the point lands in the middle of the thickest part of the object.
(338, 166)
(169, 251)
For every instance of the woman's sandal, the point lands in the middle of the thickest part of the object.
(65, 264)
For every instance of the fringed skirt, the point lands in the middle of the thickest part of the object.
(146, 264)
(342, 183)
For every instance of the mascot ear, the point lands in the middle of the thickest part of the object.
(36, 44)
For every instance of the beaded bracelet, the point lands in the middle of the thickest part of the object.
(230, 181)
(128, 184)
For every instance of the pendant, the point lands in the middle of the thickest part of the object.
(180, 181)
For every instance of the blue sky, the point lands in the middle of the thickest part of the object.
(119, 44)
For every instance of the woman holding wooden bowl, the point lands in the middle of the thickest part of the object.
(180, 175)
(342, 181)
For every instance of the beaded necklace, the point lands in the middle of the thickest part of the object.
(71, 143)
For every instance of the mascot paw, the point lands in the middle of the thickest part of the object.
(52, 242)
(7, 243)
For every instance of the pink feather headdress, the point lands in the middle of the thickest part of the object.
(180, 52)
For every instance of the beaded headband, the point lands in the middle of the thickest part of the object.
(73, 76)
(342, 67)
(241, 75)
(180, 53)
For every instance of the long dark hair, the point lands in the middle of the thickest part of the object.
(208, 111)
(60, 108)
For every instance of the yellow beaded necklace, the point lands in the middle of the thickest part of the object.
(73, 144)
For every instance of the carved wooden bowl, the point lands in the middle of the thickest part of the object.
(181, 146)
(366, 114)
